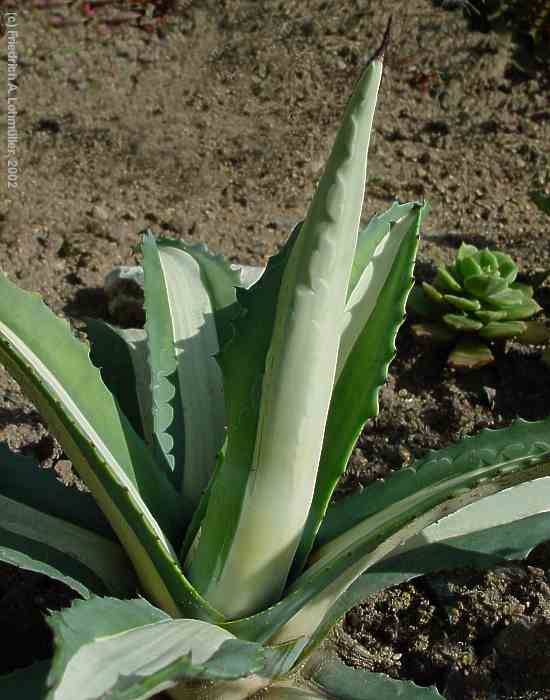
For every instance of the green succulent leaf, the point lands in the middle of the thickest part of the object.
(423, 305)
(466, 251)
(445, 282)
(242, 360)
(333, 680)
(468, 267)
(488, 261)
(371, 235)
(462, 303)
(506, 298)
(527, 307)
(460, 322)
(341, 682)
(526, 289)
(485, 316)
(470, 353)
(523, 440)
(507, 268)
(55, 371)
(49, 528)
(41, 559)
(23, 480)
(482, 286)
(434, 295)
(502, 329)
(278, 692)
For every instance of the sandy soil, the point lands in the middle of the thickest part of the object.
(214, 127)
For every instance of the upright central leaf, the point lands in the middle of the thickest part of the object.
(243, 563)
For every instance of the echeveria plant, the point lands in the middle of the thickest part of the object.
(211, 443)
(472, 302)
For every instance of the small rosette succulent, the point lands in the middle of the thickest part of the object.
(473, 302)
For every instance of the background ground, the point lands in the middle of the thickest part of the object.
(214, 127)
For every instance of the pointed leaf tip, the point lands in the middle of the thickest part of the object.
(386, 38)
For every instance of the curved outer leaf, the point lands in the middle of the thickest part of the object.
(121, 355)
(440, 485)
(23, 480)
(25, 683)
(128, 649)
(40, 542)
(393, 512)
(56, 366)
(299, 374)
(184, 286)
(486, 548)
(57, 375)
(374, 312)
(41, 559)
(521, 440)
(342, 682)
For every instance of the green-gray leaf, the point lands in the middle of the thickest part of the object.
(481, 549)
(342, 682)
(78, 558)
(129, 649)
(184, 288)
(462, 323)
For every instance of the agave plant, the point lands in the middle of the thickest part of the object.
(472, 302)
(209, 560)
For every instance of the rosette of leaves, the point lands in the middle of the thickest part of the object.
(474, 303)
(210, 559)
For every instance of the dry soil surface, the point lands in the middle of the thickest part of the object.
(214, 128)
